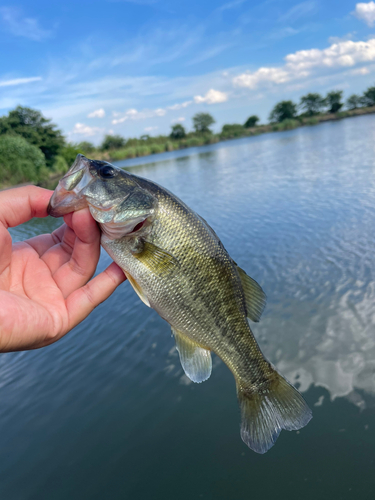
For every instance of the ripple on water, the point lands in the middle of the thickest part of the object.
(296, 210)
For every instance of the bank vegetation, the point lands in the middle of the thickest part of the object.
(34, 150)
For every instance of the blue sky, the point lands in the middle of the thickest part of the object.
(137, 66)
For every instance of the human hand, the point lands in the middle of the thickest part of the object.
(44, 281)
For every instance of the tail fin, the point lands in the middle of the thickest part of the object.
(265, 413)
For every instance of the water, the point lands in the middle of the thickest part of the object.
(107, 412)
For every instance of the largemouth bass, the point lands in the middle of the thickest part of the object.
(179, 267)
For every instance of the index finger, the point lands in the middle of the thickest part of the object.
(18, 205)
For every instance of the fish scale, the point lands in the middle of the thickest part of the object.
(179, 267)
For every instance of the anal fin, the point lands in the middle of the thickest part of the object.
(195, 360)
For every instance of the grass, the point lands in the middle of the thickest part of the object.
(160, 144)
(27, 172)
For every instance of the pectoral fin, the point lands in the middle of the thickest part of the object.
(138, 290)
(195, 360)
(157, 260)
(254, 296)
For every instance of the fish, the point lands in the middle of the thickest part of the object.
(179, 267)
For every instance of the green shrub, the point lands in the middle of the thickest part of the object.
(313, 120)
(276, 127)
(69, 152)
(37, 130)
(87, 148)
(112, 142)
(142, 150)
(230, 131)
(169, 146)
(123, 153)
(212, 140)
(194, 141)
(342, 114)
(157, 148)
(131, 153)
(287, 124)
(20, 161)
(60, 165)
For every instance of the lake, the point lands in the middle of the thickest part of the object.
(107, 413)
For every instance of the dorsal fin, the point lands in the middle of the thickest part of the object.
(195, 360)
(254, 296)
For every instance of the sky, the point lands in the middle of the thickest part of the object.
(134, 67)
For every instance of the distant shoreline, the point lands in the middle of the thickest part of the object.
(251, 132)
(51, 182)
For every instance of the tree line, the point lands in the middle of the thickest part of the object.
(313, 104)
(32, 148)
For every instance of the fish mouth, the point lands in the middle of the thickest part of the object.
(69, 193)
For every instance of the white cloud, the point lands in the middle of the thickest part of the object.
(133, 114)
(159, 112)
(212, 97)
(85, 130)
(360, 71)
(19, 25)
(178, 120)
(180, 106)
(98, 113)
(150, 129)
(300, 10)
(304, 63)
(230, 5)
(209, 53)
(339, 39)
(366, 12)
(19, 81)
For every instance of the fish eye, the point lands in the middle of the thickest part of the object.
(107, 172)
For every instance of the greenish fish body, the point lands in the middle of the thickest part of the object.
(178, 266)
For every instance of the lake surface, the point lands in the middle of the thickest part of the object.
(106, 413)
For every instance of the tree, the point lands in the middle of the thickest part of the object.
(312, 104)
(86, 147)
(251, 121)
(232, 130)
(333, 101)
(202, 122)
(354, 101)
(36, 129)
(177, 132)
(112, 142)
(69, 153)
(284, 110)
(20, 161)
(368, 98)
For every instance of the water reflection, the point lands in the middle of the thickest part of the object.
(108, 408)
(305, 208)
